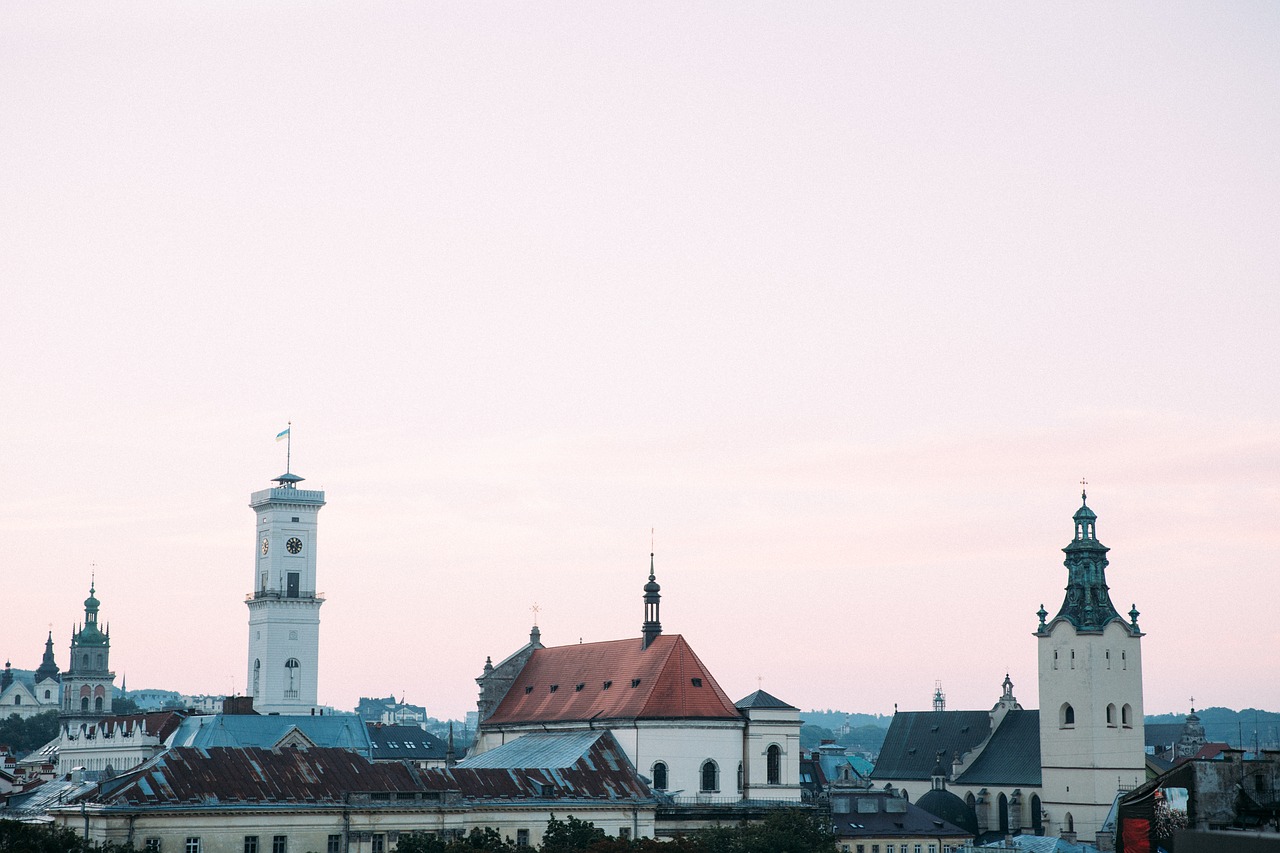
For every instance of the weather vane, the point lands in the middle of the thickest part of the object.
(535, 610)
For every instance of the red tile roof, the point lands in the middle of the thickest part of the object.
(568, 684)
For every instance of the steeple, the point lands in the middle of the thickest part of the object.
(48, 666)
(652, 626)
(7, 678)
(1087, 604)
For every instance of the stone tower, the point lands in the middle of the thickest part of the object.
(88, 683)
(1091, 723)
(284, 608)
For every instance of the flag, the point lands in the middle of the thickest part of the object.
(283, 434)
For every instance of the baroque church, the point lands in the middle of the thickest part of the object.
(29, 694)
(1055, 771)
(670, 715)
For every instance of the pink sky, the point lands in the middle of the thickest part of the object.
(843, 299)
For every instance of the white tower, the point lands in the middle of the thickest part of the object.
(284, 609)
(1092, 739)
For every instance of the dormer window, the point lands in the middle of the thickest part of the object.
(635, 682)
(555, 687)
(577, 688)
(606, 685)
(528, 689)
(697, 682)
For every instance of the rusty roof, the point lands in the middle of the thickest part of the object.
(189, 776)
(158, 724)
(619, 679)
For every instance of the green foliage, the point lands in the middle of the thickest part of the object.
(570, 836)
(485, 838)
(124, 705)
(23, 736)
(16, 837)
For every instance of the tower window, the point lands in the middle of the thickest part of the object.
(292, 678)
(1066, 716)
(1073, 658)
(1111, 715)
(1055, 660)
(1124, 660)
(773, 765)
(1126, 716)
(1108, 658)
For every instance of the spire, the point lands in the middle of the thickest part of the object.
(7, 678)
(48, 666)
(652, 626)
(450, 757)
(1008, 689)
(1087, 604)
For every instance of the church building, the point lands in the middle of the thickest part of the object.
(661, 703)
(29, 694)
(1058, 770)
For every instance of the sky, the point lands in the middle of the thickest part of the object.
(841, 301)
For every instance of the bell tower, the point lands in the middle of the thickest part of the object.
(284, 607)
(1090, 661)
(88, 683)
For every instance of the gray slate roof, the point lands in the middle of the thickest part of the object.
(405, 743)
(915, 738)
(1013, 755)
(877, 815)
(760, 699)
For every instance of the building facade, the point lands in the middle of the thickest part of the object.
(284, 607)
(88, 685)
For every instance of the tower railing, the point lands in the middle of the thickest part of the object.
(284, 594)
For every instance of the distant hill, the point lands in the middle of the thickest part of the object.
(1238, 728)
(866, 732)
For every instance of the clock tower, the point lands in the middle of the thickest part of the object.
(284, 607)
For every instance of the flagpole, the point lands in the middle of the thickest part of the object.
(288, 448)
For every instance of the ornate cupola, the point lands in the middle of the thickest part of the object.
(652, 626)
(1087, 604)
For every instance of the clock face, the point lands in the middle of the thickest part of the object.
(294, 545)
(266, 545)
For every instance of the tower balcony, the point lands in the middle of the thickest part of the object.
(301, 497)
(285, 595)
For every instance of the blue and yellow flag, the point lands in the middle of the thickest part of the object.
(283, 434)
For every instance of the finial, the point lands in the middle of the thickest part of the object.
(1133, 615)
(1193, 704)
(1084, 497)
(1042, 613)
(535, 609)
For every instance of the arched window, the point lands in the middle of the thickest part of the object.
(291, 667)
(710, 776)
(100, 665)
(1055, 660)
(1126, 716)
(970, 800)
(1037, 819)
(773, 765)
(1070, 822)
(97, 704)
(659, 776)
(86, 661)
(1111, 715)
(1067, 716)
(257, 670)
(740, 777)
(1002, 807)
(84, 703)
(17, 700)
(47, 695)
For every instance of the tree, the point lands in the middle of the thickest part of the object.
(570, 836)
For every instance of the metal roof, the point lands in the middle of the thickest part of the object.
(332, 730)
(760, 699)
(404, 743)
(1012, 757)
(914, 739)
(537, 750)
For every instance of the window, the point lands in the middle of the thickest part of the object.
(917, 848)
(1073, 658)
(1108, 658)
(280, 844)
(257, 669)
(97, 704)
(522, 838)
(697, 682)
(17, 700)
(379, 844)
(933, 848)
(1002, 810)
(1126, 716)
(1124, 660)
(773, 765)
(46, 694)
(740, 779)
(710, 776)
(193, 844)
(84, 703)
(151, 845)
(334, 845)
(660, 776)
(291, 667)
(1055, 660)
(1111, 715)
(624, 832)
(1067, 716)
(1071, 823)
(251, 844)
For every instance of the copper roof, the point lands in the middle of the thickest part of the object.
(619, 679)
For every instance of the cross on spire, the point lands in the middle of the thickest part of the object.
(535, 610)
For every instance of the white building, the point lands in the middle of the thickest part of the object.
(671, 717)
(41, 693)
(284, 608)
(1053, 771)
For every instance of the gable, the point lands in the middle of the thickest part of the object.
(1012, 757)
(614, 680)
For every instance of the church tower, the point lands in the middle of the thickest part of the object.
(1091, 724)
(88, 683)
(284, 609)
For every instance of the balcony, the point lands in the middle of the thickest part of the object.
(285, 595)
